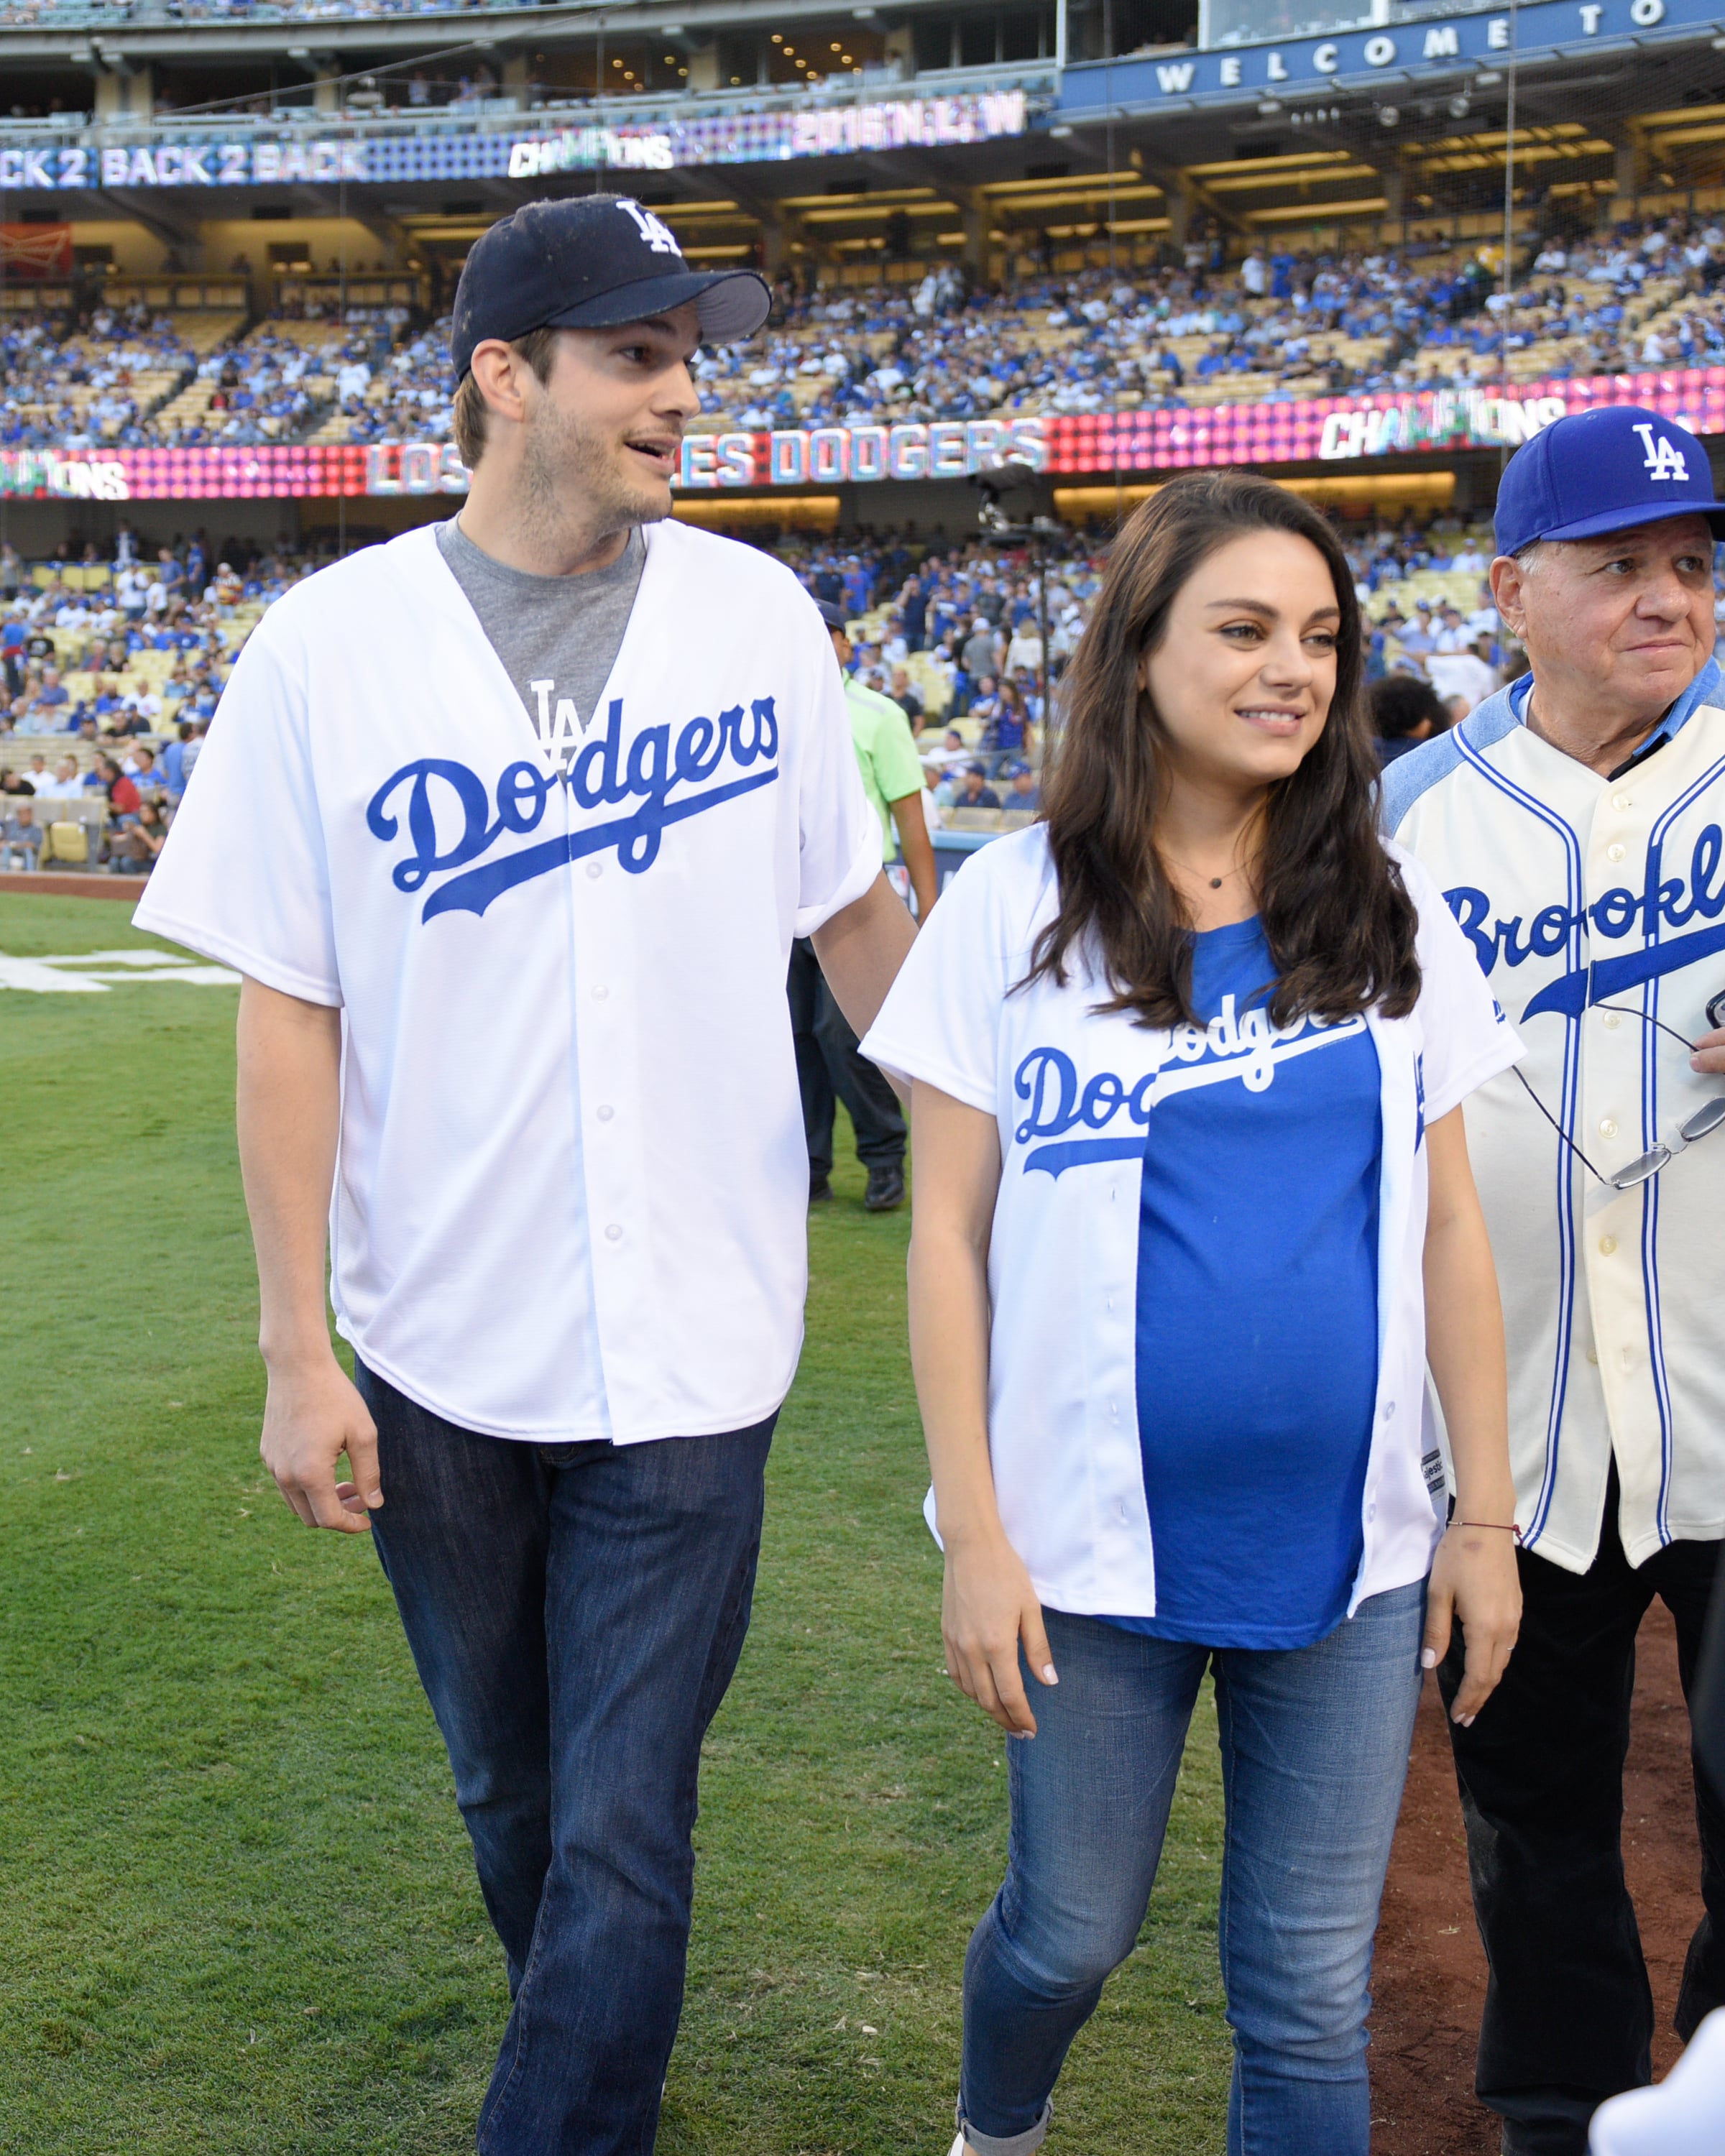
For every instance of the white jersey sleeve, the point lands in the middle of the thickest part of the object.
(1465, 1037)
(244, 877)
(941, 1022)
(841, 853)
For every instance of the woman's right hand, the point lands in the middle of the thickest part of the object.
(988, 1607)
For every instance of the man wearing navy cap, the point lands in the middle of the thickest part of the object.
(536, 801)
(1576, 822)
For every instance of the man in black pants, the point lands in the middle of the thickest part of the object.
(1568, 2014)
(830, 1068)
(1573, 822)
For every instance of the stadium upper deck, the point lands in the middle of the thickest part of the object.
(933, 130)
(224, 228)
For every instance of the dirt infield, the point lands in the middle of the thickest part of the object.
(1430, 1973)
(57, 883)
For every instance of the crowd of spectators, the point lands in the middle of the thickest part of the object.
(109, 690)
(954, 634)
(286, 382)
(1279, 323)
(110, 684)
(73, 382)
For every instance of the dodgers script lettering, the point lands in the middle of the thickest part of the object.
(453, 819)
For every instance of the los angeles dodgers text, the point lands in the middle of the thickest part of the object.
(441, 791)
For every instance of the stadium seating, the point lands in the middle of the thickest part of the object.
(1275, 326)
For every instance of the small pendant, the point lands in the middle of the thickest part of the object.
(1215, 883)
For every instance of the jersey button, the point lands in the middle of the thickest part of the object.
(1608, 1243)
(1620, 801)
(1389, 1410)
(607, 1112)
(1612, 1021)
(595, 867)
(614, 1234)
(1614, 853)
(600, 993)
(1608, 1127)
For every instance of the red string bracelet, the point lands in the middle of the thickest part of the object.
(1494, 1526)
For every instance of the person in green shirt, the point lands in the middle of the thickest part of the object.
(891, 774)
(828, 1065)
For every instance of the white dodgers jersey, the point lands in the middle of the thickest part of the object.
(572, 1189)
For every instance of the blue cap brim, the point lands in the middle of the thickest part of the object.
(1608, 521)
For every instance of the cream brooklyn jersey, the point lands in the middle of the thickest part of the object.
(1595, 906)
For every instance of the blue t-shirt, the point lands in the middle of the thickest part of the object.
(1257, 1327)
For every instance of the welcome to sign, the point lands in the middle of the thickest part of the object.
(1395, 52)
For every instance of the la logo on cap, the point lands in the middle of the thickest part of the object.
(659, 236)
(1665, 460)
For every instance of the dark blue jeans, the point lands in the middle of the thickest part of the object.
(576, 1613)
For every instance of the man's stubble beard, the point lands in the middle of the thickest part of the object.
(571, 478)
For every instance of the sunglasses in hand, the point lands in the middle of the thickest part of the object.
(1645, 1166)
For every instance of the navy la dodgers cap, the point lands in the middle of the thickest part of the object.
(591, 262)
(832, 615)
(1602, 471)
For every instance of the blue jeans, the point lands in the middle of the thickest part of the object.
(575, 1613)
(1315, 1743)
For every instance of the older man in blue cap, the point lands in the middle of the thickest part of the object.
(1574, 821)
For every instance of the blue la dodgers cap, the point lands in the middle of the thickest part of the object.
(591, 262)
(1602, 471)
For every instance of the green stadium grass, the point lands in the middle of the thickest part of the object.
(239, 1914)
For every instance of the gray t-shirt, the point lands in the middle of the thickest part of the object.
(558, 637)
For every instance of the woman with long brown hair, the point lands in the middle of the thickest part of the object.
(1192, 1209)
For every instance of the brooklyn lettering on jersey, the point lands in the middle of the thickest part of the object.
(453, 819)
(1236, 1044)
(1663, 902)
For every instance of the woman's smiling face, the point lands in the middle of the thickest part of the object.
(1243, 678)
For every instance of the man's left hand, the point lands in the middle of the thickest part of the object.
(1709, 1056)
